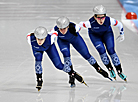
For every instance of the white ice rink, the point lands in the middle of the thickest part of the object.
(17, 75)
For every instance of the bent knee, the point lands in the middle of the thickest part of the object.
(59, 66)
(65, 52)
(100, 49)
(111, 51)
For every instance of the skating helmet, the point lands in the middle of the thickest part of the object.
(62, 22)
(99, 9)
(40, 32)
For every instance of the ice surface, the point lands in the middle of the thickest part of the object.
(17, 78)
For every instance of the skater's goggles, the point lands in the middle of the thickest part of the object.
(99, 18)
(63, 28)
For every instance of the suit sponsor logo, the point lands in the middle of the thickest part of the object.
(95, 27)
(98, 45)
(61, 36)
(36, 47)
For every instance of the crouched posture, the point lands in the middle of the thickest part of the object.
(101, 34)
(41, 42)
(68, 33)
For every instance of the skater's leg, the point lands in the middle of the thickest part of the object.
(115, 59)
(38, 61)
(67, 67)
(109, 42)
(74, 75)
(39, 81)
(97, 42)
(121, 75)
(67, 63)
(65, 49)
(108, 65)
(38, 68)
(117, 65)
(71, 78)
(81, 47)
(54, 56)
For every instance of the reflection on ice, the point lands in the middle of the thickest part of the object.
(39, 98)
(114, 94)
(71, 95)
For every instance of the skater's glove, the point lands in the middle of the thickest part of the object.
(53, 37)
(120, 38)
(77, 27)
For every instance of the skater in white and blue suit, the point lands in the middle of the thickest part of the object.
(102, 37)
(67, 33)
(41, 42)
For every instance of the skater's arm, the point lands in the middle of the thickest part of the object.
(28, 38)
(85, 24)
(54, 35)
(77, 27)
(118, 24)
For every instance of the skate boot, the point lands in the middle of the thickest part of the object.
(119, 71)
(39, 84)
(75, 75)
(72, 81)
(112, 73)
(122, 76)
(78, 77)
(111, 70)
(71, 78)
(103, 73)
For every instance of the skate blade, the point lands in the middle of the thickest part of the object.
(38, 88)
(125, 80)
(85, 84)
(115, 78)
(110, 79)
(72, 86)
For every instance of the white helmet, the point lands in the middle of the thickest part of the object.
(62, 22)
(99, 9)
(40, 32)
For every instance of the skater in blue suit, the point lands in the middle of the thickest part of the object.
(67, 33)
(102, 37)
(41, 42)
